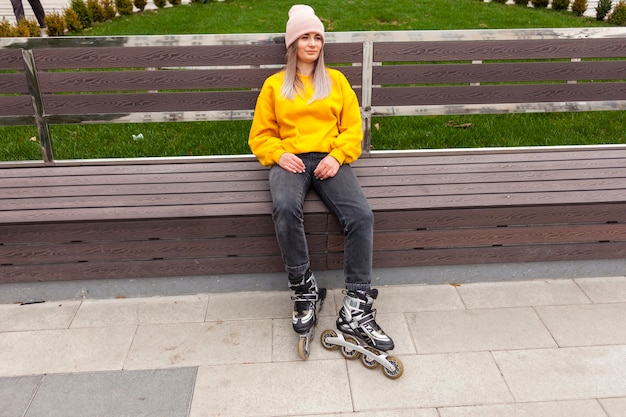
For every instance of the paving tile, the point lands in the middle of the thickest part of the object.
(391, 412)
(614, 407)
(521, 293)
(441, 380)
(16, 394)
(152, 310)
(71, 350)
(272, 389)
(478, 330)
(193, 344)
(564, 374)
(588, 325)
(413, 298)
(154, 393)
(604, 289)
(586, 408)
(40, 316)
(257, 305)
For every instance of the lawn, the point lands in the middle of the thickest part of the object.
(249, 16)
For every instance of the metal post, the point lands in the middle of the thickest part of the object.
(366, 95)
(35, 93)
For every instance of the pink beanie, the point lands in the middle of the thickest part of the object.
(302, 20)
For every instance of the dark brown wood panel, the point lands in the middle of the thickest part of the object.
(149, 229)
(498, 50)
(158, 56)
(490, 255)
(181, 56)
(496, 216)
(97, 81)
(17, 106)
(534, 72)
(161, 80)
(11, 59)
(219, 247)
(107, 106)
(12, 83)
(499, 94)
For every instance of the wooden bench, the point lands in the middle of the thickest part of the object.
(173, 217)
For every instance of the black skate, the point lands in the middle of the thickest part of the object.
(360, 335)
(308, 300)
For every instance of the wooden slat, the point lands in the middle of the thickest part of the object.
(148, 229)
(181, 56)
(101, 81)
(495, 94)
(492, 255)
(498, 50)
(11, 59)
(496, 216)
(17, 106)
(11, 83)
(97, 81)
(534, 72)
(110, 105)
(158, 56)
(222, 247)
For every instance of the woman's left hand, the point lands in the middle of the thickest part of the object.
(327, 168)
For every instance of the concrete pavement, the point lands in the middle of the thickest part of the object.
(537, 348)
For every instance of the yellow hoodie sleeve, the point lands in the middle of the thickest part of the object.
(347, 145)
(264, 139)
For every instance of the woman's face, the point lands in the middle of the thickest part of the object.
(309, 47)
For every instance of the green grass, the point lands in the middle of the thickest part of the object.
(254, 16)
(269, 16)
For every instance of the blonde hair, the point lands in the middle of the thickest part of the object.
(292, 84)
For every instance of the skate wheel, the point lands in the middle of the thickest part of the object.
(370, 363)
(324, 337)
(303, 349)
(397, 372)
(350, 353)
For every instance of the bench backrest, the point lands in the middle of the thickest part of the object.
(217, 77)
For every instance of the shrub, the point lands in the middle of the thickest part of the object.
(124, 7)
(579, 7)
(521, 3)
(174, 2)
(28, 27)
(539, 3)
(108, 8)
(618, 15)
(95, 11)
(560, 4)
(160, 3)
(82, 11)
(603, 8)
(499, 1)
(140, 4)
(72, 21)
(6, 29)
(22, 29)
(55, 22)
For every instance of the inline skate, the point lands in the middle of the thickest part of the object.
(360, 336)
(308, 300)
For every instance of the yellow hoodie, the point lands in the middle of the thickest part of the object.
(332, 125)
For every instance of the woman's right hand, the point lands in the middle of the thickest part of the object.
(291, 162)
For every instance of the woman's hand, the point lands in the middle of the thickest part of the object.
(290, 162)
(327, 168)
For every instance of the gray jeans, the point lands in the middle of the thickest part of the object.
(343, 195)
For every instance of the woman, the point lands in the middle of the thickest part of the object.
(307, 127)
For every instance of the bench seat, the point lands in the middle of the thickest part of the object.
(213, 217)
